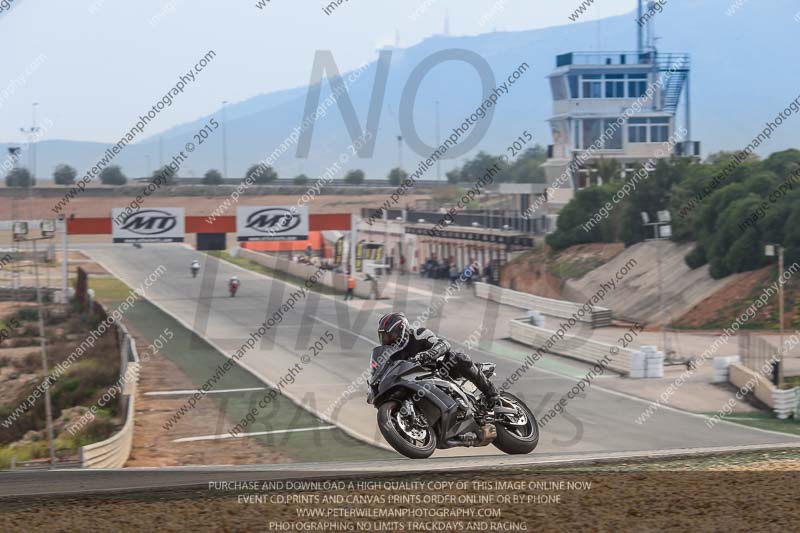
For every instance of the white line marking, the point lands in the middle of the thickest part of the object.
(256, 434)
(187, 392)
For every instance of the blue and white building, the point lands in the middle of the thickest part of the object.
(621, 106)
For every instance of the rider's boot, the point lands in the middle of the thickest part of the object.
(491, 398)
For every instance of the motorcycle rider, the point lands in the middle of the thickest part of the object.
(195, 268)
(233, 284)
(425, 347)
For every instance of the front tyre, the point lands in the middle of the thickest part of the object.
(410, 436)
(517, 433)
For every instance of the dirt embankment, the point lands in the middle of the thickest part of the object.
(544, 274)
(732, 300)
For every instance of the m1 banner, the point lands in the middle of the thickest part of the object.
(165, 224)
(281, 223)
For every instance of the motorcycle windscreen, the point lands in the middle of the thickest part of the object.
(380, 356)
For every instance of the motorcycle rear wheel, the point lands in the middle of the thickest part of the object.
(394, 433)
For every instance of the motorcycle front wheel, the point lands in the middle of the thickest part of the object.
(409, 437)
(517, 433)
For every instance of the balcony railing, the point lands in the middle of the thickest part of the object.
(604, 58)
(663, 60)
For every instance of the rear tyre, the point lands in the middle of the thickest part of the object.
(516, 434)
(406, 436)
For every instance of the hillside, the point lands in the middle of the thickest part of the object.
(258, 125)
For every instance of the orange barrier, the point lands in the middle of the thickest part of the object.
(314, 239)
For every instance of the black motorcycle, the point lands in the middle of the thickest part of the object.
(421, 409)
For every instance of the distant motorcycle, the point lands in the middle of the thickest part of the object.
(195, 268)
(421, 409)
(233, 286)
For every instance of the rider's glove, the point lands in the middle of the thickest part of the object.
(425, 358)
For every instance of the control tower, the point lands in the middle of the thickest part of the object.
(620, 106)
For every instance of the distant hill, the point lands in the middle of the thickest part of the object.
(743, 74)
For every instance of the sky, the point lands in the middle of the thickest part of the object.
(93, 66)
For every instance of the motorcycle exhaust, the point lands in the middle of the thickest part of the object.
(486, 435)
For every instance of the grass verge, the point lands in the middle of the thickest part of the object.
(271, 272)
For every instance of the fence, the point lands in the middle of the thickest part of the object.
(26, 294)
(598, 317)
(115, 451)
(755, 352)
(491, 219)
(572, 346)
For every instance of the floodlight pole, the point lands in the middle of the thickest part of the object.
(659, 259)
(64, 259)
(770, 251)
(48, 409)
(780, 306)
(42, 342)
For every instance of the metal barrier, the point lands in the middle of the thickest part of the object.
(572, 346)
(598, 317)
(115, 451)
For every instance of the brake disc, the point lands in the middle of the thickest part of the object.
(416, 433)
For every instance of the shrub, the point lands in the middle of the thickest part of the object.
(696, 258)
(29, 314)
(30, 363)
(112, 176)
(64, 175)
(212, 177)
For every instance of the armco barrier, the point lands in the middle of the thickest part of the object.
(329, 278)
(572, 346)
(783, 402)
(598, 317)
(115, 451)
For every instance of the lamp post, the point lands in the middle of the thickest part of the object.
(224, 141)
(400, 152)
(770, 251)
(662, 231)
(31, 133)
(439, 160)
(20, 233)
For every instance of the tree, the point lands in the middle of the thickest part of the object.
(609, 169)
(725, 156)
(475, 169)
(528, 166)
(300, 179)
(64, 175)
(112, 176)
(260, 174)
(783, 163)
(354, 177)
(19, 177)
(212, 177)
(397, 176)
(165, 175)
